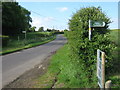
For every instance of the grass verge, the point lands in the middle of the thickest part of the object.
(115, 76)
(61, 73)
(14, 49)
(50, 79)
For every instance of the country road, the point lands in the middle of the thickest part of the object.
(15, 64)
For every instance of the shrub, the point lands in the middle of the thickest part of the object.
(81, 18)
(4, 40)
(83, 52)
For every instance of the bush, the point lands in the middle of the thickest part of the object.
(83, 55)
(81, 18)
(83, 52)
(4, 40)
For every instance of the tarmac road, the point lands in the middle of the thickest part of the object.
(15, 64)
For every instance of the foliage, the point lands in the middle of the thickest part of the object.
(15, 18)
(4, 40)
(114, 37)
(41, 29)
(49, 30)
(82, 51)
(0, 18)
(81, 18)
(32, 29)
(115, 81)
(32, 39)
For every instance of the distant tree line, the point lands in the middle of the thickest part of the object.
(15, 18)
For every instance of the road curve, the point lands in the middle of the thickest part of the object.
(15, 64)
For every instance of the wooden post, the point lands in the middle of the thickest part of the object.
(25, 35)
(18, 38)
(89, 29)
(108, 85)
(103, 69)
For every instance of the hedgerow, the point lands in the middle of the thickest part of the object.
(83, 52)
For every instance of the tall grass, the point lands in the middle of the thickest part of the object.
(115, 38)
(19, 42)
(62, 73)
(115, 75)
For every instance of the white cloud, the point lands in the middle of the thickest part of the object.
(62, 9)
(48, 19)
(42, 22)
(37, 22)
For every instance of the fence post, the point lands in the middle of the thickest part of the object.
(18, 38)
(108, 85)
(103, 69)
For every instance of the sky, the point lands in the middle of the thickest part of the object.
(57, 14)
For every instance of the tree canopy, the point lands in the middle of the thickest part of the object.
(32, 29)
(15, 18)
(41, 29)
(80, 20)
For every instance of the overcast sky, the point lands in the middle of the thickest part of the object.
(56, 14)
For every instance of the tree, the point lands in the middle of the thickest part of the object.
(65, 30)
(15, 18)
(32, 29)
(25, 19)
(81, 17)
(0, 17)
(41, 29)
(49, 30)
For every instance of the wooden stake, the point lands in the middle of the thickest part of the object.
(103, 70)
(108, 85)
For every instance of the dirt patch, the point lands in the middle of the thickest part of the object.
(27, 80)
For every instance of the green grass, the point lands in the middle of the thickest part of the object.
(115, 76)
(115, 36)
(47, 80)
(63, 71)
(33, 39)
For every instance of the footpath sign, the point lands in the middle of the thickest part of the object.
(93, 24)
(97, 24)
(101, 68)
(23, 31)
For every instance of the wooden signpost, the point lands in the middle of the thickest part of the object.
(95, 24)
(24, 33)
(101, 68)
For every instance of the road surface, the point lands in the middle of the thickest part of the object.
(15, 64)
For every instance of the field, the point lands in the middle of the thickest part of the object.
(115, 36)
(19, 42)
(115, 76)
